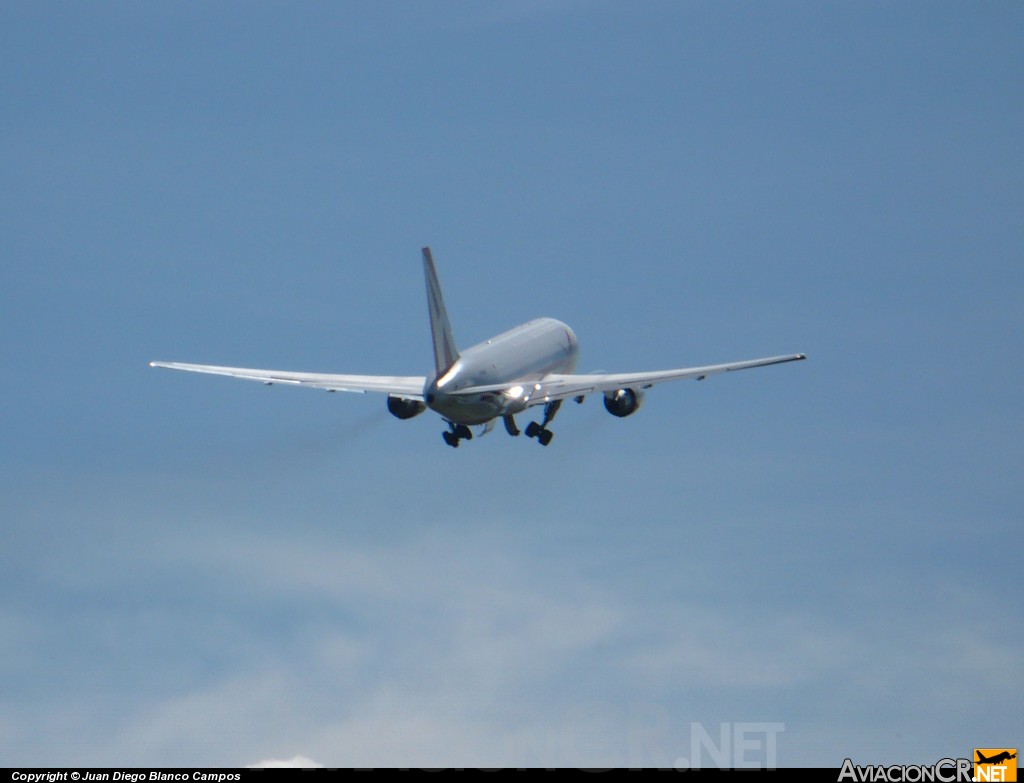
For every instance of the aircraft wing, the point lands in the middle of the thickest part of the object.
(407, 386)
(557, 387)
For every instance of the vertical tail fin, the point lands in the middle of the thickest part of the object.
(445, 352)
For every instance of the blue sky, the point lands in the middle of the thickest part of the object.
(201, 571)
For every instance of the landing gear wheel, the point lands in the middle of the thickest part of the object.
(463, 432)
(450, 439)
(545, 437)
(532, 429)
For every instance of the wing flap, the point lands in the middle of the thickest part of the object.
(408, 386)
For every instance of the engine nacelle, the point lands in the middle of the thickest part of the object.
(623, 402)
(405, 409)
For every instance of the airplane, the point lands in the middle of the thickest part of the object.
(996, 759)
(527, 366)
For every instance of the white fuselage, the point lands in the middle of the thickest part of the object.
(517, 358)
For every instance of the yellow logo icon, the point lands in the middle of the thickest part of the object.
(995, 764)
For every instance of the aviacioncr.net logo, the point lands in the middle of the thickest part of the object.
(942, 771)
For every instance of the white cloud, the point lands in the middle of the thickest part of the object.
(295, 762)
(458, 644)
(697, 644)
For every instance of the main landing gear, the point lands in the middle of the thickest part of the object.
(460, 432)
(541, 431)
(455, 433)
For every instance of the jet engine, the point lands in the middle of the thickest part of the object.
(623, 402)
(405, 409)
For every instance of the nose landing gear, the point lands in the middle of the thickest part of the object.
(510, 425)
(455, 433)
